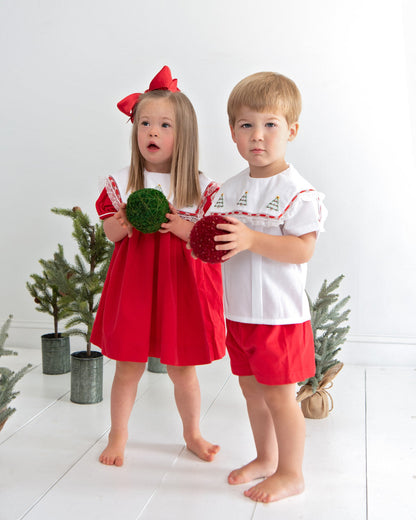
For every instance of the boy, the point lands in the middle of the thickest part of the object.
(269, 335)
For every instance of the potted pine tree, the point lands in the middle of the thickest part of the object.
(55, 345)
(8, 378)
(327, 317)
(82, 290)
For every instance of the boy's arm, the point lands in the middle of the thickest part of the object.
(290, 249)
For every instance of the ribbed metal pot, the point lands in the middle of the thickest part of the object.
(154, 365)
(56, 354)
(86, 377)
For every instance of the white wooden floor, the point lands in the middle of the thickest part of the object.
(360, 462)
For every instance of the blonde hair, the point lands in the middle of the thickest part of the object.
(266, 91)
(184, 181)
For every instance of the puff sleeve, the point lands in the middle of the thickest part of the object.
(104, 206)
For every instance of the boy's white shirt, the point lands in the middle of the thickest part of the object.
(258, 289)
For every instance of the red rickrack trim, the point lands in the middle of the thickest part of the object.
(206, 201)
(264, 215)
(115, 189)
(293, 200)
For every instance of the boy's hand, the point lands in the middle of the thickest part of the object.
(121, 218)
(288, 248)
(176, 225)
(239, 238)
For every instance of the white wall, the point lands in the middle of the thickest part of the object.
(66, 64)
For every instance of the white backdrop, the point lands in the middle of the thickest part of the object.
(66, 64)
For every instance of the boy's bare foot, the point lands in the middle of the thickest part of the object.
(276, 488)
(202, 448)
(113, 455)
(251, 471)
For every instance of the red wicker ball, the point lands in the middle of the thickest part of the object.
(202, 238)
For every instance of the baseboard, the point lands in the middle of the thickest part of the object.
(379, 351)
(26, 334)
(357, 350)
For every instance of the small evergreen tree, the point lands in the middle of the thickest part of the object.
(45, 291)
(8, 378)
(83, 282)
(327, 317)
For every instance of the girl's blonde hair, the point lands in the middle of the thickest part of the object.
(266, 91)
(184, 184)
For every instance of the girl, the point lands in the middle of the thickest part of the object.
(157, 300)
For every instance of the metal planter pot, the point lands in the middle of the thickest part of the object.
(86, 377)
(154, 365)
(56, 353)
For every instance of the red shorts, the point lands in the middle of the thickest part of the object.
(274, 354)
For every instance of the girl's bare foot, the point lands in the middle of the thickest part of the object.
(113, 455)
(251, 471)
(202, 448)
(276, 487)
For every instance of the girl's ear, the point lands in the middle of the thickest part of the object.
(232, 133)
(293, 131)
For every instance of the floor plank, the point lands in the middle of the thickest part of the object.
(391, 431)
(50, 446)
(35, 457)
(334, 464)
(154, 446)
(198, 490)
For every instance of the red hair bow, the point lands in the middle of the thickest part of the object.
(162, 81)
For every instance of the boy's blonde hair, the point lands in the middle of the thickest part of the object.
(184, 183)
(263, 92)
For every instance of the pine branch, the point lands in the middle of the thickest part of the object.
(45, 288)
(3, 336)
(327, 315)
(8, 378)
(88, 272)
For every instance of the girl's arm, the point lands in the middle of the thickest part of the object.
(118, 227)
(289, 248)
(177, 225)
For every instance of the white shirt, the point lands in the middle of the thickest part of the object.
(258, 289)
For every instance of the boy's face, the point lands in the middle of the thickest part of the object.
(261, 139)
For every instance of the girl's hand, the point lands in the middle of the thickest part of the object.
(121, 218)
(239, 238)
(176, 225)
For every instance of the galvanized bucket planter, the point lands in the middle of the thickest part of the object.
(86, 377)
(56, 354)
(154, 365)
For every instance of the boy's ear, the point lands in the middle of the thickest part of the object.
(293, 131)
(232, 133)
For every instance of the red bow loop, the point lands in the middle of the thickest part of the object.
(162, 81)
(126, 105)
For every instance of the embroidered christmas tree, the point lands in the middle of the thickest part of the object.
(274, 204)
(243, 200)
(220, 202)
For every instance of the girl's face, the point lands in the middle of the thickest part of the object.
(156, 134)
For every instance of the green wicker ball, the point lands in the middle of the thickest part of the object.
(146, 210)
